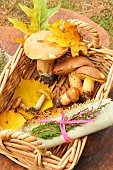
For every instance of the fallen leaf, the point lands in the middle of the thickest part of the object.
(11, 120)
(20, 40)
(26, 115)
(67, 35)
(29, 92)
(38, 15)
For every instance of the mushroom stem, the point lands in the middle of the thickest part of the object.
(88, 85)
(45, 68)
(74, 80)
(87, 89)
(89, 75)
(16, 102)
(34, 110)
(40, 101)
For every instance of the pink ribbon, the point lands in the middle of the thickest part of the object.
(62, 124)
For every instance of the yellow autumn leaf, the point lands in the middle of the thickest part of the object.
(26, 115)
(29, 92)
(67, 35)
(11, 120)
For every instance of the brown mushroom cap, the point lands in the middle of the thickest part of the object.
(69, 64)
(37, 47)
(92, 72)
(73, 93)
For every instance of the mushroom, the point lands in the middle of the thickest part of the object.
(71, 95)
(74, 80)
(45, 94)
(37, 47)
(89, 75)
(69, 64)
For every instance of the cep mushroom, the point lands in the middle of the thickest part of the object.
(89, 75)
(71, 95)
(37, 47)
(69, 64)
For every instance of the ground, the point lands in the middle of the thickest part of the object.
(100, 11)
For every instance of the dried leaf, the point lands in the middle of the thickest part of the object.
(11, 120)
(67, 35)
(20, 40)
(29, 91)
(38, 15)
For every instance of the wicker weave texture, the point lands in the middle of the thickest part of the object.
(25, 149)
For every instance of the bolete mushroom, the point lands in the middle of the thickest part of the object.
(37, 47)
(89, 75)
(71, 95)
(69, 64)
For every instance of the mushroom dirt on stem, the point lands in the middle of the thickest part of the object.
(37, 47)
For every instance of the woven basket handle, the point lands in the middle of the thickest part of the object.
(19, 144)
(22, 136)
(90, 29)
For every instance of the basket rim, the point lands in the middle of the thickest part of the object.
(21, 137)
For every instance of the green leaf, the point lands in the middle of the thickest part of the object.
(38, 15)
(47, 15)
(20, 25)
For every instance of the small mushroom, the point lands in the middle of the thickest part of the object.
(37, 47)
(69, 64)
(89, 75)
(44, 94)
(16, 102)
(34, 110)
(72, 95)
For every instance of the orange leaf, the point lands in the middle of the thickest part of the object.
(20, 40)
(67, 35)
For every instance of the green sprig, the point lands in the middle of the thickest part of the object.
(50, 130)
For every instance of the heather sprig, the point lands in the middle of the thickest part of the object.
(48, 129)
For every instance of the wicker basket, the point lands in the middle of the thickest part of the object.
(25, 149)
